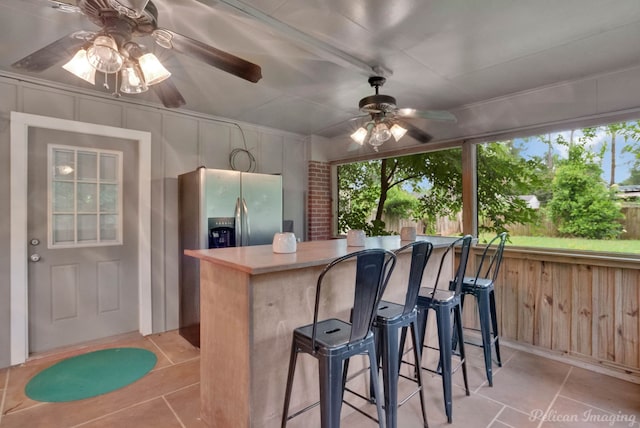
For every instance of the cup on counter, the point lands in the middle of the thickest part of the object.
(355, 238)
(284, 242)
(408, 233)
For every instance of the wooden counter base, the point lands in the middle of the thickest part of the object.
(251, 300)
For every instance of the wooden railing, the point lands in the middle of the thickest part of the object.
(581, 306)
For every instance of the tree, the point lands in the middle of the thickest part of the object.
(582, 205)
(358, 194)
(613, 129)
(365, 186)
(400, 204)
(633, 133)
(634, 175)
(503, 177)
(438, 177)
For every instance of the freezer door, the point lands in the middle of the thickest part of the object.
(222, 192)
(262, 195)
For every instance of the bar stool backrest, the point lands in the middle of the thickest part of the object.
(420, 254)
(495, 259)
(455, 284)
(373, 269)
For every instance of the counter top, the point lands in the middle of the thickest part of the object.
(260, 259)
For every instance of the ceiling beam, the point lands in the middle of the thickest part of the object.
(316, 46)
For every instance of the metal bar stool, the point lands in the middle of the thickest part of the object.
(333, 341)
(446, 303)
(482, 287)
(392, 318)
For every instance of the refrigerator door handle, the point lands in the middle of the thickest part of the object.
(238, 226)
(246, 226)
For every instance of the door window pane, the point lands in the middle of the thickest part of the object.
(108, 227)
(63, 228)
(86, 197)
(87, 227)
(109, 198)
(108, 167)
(63, 196)
(87, 166)
(63, 164)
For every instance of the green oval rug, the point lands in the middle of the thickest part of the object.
(90, 374)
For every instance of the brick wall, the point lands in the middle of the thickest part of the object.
(319, 201)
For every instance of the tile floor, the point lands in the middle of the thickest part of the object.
(529, 391)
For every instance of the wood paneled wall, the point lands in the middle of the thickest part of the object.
(585, 307)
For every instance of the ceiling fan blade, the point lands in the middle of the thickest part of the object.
(48, 56)
(169, 94)
(414, 132)
(360, 116)
(208, 54)
(426, 114)
(353, 146)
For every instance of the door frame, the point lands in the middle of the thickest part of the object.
(20, 124)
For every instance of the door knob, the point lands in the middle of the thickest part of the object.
(35, 257)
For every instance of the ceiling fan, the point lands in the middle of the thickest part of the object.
(388, 120)
(113, 51)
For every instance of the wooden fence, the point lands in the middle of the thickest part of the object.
(631, 223)
(583, 307)
(448, 227)
(444, 226)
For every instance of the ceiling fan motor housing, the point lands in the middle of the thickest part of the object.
(378, 103)
(101, 13)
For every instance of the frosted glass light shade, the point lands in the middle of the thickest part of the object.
(359, 135)
(79, 66)
(132, 80)
(397, 131)
(152, 70)
(104, 55)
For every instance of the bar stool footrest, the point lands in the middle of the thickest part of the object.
(299, 412)
(357, 409)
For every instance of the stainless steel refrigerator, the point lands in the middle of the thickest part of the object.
(221, 208)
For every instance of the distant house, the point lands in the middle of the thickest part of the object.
(531, 200)
(629, 192)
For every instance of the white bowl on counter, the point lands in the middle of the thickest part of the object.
(284, 242)
(356, 238)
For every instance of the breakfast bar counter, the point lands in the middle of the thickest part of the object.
(251, 300)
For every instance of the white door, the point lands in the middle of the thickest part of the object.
(83, 238)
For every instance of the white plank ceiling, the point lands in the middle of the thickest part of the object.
(438, 55)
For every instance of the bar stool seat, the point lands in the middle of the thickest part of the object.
(332, 334)
(442, 296)
(333, 341)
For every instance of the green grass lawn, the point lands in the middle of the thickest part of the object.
(614, 246)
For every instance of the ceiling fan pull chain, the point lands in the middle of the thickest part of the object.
(116, 91)
(106, 82)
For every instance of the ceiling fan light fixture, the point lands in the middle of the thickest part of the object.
(103, 55)
(397, 131)
(132, 79)
(360, 135)
(380, 134)
(80, 67)
(152, 70)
